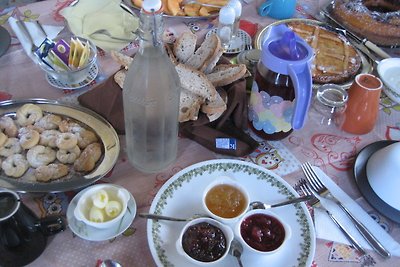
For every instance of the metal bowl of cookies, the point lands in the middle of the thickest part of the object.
(49, 146)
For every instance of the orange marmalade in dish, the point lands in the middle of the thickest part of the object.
(226, 201)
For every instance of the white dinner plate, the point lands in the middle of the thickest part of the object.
(181, 197)
(95, 234)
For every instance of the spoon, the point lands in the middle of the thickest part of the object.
(110, 263)
(236, 250)
(261, 205)
(168, 218)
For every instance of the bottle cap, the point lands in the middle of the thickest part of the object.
(237, 6)
(227, 15)
(151, 5)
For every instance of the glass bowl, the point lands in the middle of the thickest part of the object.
(73, 76)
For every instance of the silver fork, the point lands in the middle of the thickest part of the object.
(317, 185)
(314, 202)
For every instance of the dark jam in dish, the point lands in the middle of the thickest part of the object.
(204, 242)
(262, 232)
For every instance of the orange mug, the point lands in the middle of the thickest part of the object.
(361, 112)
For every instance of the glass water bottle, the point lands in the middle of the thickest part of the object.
(151, 97)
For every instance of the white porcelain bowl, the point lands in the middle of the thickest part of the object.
(197, 239)
(389, 72)
(383, 168)
(253, 231)
(229, 203)
(99, 201)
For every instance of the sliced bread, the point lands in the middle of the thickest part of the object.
(170, 54)
(205, 53)
(121, 59)
(196, 82)
(214, 60)
(218, 105)
(189, 105)
(185, 46)
(224, 74)
(119, 77)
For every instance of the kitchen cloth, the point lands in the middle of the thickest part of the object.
(89, 16)
(106, 100)
(37, 36)
(326, 229)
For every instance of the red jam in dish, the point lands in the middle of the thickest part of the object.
(204, 242)
(226, 201)
(262, 232)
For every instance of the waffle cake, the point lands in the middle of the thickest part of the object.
(336, 60)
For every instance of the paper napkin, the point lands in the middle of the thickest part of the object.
(326, 229)
(89, 16)
(37, 35)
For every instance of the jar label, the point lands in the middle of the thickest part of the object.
(270, 114)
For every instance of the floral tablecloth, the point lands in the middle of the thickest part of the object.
(333, 150)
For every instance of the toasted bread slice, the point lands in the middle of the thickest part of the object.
(224, 74)
(170, 54)
(119, 77)
(205, 53)
(185, 46)
(218, 105)
(214, 60)
(121, 59)
(196, 82)
(189, 105)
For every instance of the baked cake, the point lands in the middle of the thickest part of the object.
(336, 60)
(376, 20)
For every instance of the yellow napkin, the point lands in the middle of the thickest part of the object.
(88, 16)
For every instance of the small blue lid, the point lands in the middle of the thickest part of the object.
(288, 48)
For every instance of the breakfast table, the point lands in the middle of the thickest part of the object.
(333, 150)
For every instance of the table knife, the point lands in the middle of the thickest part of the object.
(22, 25)
(41, 28)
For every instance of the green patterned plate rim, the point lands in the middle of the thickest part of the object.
(181, 197)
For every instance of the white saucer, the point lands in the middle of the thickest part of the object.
(95, 234)
(94, 70)
(238, 44)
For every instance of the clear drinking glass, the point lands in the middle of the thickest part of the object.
(330, 99)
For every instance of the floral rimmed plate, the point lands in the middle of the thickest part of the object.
(94, 70)
(94, 234)
(181, 197)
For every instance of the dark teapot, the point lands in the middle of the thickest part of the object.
(23, 236)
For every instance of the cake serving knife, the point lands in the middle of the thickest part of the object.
(370, 45)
